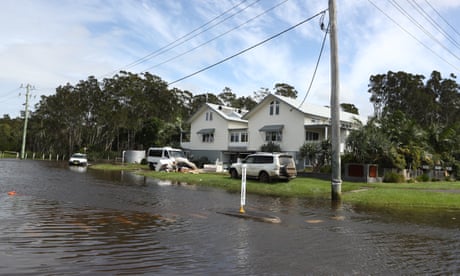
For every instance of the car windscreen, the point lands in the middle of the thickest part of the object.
(176, 153)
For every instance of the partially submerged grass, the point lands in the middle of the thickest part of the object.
(437, 195)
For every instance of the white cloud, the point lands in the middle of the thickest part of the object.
(50, 43)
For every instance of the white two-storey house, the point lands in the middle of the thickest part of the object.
(287, 123)
(217, 132)
(225, 133)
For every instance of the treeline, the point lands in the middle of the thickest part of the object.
(417, 123)
(127, 111)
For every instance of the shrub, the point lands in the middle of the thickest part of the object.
(392, 177)
(201, 161)
(423, 178)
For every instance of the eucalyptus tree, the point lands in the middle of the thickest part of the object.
(61, 119)
(350, 108)
(199, 100)
(10, 133)
(286, 90)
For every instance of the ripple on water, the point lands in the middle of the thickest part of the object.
(54, 237)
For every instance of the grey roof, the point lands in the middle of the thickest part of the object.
(206, 131)
(229, 113)
(315, 110)
(272, 128)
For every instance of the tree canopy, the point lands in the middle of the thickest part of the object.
(126, 111)
(417, 122)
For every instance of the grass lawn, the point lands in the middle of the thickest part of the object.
(437, 195)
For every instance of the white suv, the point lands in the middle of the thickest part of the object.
(266, 167)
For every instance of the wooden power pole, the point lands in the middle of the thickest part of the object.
(28, 87)
(336, 178)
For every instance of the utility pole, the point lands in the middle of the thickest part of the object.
(336, 178)
(28, 87)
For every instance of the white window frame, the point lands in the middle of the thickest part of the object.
(274, 108)
(273, 136)
(207, 138)
(310, 136)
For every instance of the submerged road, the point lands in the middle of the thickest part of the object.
(72, 221)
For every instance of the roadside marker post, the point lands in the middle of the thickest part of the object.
(258, 216)
(243, 188)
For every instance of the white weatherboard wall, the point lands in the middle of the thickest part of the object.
(202, 123)
(293, 130)
(221, 133)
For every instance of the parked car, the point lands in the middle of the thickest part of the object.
(266, 167)
(168, 159)
(78, 159)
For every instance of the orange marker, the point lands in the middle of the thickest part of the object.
(12, 193)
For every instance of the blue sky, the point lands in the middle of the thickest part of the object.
(54, 42)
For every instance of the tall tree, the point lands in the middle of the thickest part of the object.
(286, 90)
(351, 108)
(227, 96)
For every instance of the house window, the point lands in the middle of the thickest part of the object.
(244, 137)
(311, 136)
(209, 116)
(207, 138)
(273, 136)
(235, 137)
(274, 108)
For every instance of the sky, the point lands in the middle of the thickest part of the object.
(247, 45)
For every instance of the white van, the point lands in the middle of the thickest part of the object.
(167, 159)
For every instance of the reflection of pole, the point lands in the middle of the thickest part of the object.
(243, 188)
(26, 115)
(336, 183)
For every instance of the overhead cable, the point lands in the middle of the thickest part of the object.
(216, 37)
(190, 35)
(421, 27)
(445, 21)
(317, 64)
(413, 36)
(248, 49)
(433, 22)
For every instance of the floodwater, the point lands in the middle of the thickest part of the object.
(72, 221)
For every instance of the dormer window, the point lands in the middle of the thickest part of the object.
(209, 116)
(274, 108)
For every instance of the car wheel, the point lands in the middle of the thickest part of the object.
(234, 174)
(151, 166)
(264, 177)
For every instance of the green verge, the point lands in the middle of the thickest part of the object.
(438, 195)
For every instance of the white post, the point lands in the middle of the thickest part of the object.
(243, 188)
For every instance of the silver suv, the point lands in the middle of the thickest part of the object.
(266, 167)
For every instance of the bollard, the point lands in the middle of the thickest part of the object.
(243, 188)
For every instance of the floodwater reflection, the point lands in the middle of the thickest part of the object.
(61, 222)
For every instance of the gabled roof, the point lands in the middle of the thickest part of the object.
(305, 108)
(226, 112)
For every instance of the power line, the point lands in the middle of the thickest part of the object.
(445, 21)
(216, 37)
(184, 38)
(413, 36)
(433, 22)
(249, 48)
(316, 66)
(421, 27)
(10, 94)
